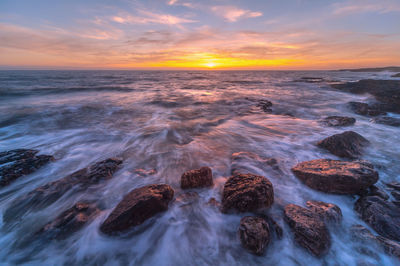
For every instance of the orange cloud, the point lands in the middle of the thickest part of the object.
(233, 14)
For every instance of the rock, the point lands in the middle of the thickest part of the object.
(327, 211)
(309, 229)
(396, 195)
(136, 207)
(337, 177)
(394, 185)
(362, 234)
(70, 221)
(375, 191)
(198, 178)
(245, 162)
(187, 198)
(348, 144)
(387, 120)
(20, 162)
(366, 109)
(254, 234)
(49, 193)
(246, 193)
(338, 121)
(382, 215)
(265, 106)
(213, 202)
(144, 172)
(396, 75)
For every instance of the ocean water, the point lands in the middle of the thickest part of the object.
(173, 121)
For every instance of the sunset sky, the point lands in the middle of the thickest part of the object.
(185, 34)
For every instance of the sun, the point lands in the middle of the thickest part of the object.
(210, 64)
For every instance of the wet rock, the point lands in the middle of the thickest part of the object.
(145, 173)
(254, 234)
(327, 211)
(309, 229)
(244, 162)
(136, 207)
(213, 202)
(337, 177)
(366, 109)
(396, 75)
(76, 182)
(396, 195)
(338, 121)
(348, 144)
(277, 229)
(265, 106)
(387, 120)
(382, 215)
(71, 220)
(246, 193)
(198, 178)
(375, 191)
(20, 162)
(394, 185)
(362, 234)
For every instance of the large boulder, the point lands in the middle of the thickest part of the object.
(348, 144)
(197, 178)
(20, 162)
(329, 212)
(254, 234)
(246, 193)
(309, 229)
(47, 194)
(338, 121)
(70, 220)
(337, 177)
(136, 207)
(382, 215)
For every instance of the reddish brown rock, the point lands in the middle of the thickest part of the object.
(20, 162)
(197, 178)
(136, 207)
(337, 177)
(254, 234)
(309, 229)
(327, 211)
(246, 193)
(70, 221)
(144, 172)
(338, 121)
(348, 144)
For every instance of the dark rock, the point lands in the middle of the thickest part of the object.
(375, 191)
(197, 178)
(136, 207)
(49, 193)
(213, 202)
(387, 120)
(396, 75)
(327, 211)
(277, 229)
(265, 105)
(362, 234)
(366, 109)
(396, 195)
(254, 234)
(144, 173)
(244, 162)
(348, 144)
(246, 193)
(394, 185)
(383, 216)
(17, 163)
(309, 229)
(70, 221)
(338, 121)
(337, 177)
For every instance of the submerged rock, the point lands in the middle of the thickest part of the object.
(197, 178)
(254, 234)
(366, 109)
(265, 105)
(136, 207)
(329, 212)
(382, 215)
(309, 229)
(70, 220)
(387, 120)
(145, 173)
(20, 162)
(246, 193)
(338, 121)
(337, 177)
(348, 144)
(51, 192)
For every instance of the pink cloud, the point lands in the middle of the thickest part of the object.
(233, 14)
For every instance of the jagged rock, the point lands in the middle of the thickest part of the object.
(348, 144)
(198, 178)
(338, 121)
(136, 207)
(327, 211)
(362, 234)
(366, 109)
(70, 220)
(382, 215)
(309, 229)
(246, 193)
(20, 162)
(254, 234)
(387, 120)
(244, 162)
(337, 177)
(51, 192)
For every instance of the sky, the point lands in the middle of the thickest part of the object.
(187, 34)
